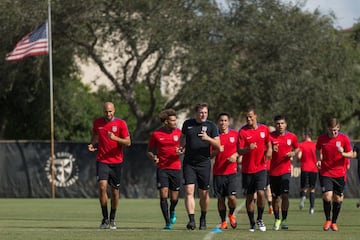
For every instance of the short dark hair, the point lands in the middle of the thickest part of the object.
(307, 132)
(333, 122)
(165, 114)
(200, 106)
(279, 117)
(222, 114)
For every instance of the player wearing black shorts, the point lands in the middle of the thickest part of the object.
(198, 134)
(163, 148)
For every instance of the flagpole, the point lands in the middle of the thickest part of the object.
(51, 103)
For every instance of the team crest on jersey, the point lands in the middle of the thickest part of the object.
(203, 128)
(232, 139)
(338, 143)
(288, 142)
(262, 134)
(176, 138)
(114, 128)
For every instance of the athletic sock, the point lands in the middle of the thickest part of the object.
(335, 211)
(203, 215)
(327, 209)
(231, 210)
(251, 217)
(312, 199)
(222, 214)
(284, 214)
(173, 204)
(112, 213)
(260, 212)
(104, 212)
(164, 209)
(191, 217)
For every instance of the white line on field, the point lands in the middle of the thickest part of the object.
(210, 235)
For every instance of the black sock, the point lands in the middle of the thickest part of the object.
(173, 204)
(112, 213)
(327, 209)
(231, 211)
(203, 215)
(269, 203)
(251, 217)
(192, 217)
(260, 212)
(104, 212)
(284, 214)
(312, 199)
(335, 211)
(222, 214)
(164, 209)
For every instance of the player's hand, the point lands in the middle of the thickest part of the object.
(111, 135)
(221, 148)
(180, 150)
(252, 146)
(318, 164)
(340, 149)
(91, 148)
(203, 135)
(155, 159)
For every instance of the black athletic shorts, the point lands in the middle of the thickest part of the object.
(280, 184)
(332, 184)
(109, 172)
(254, 182)
(197, 173)
(225, 185)
(308, 179)
(169, 178)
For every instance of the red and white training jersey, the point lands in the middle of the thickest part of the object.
(254, 160)
(221, 165)
(282, 144)
(308, 156)
(333, 164)
(165, 143)
(110, 151)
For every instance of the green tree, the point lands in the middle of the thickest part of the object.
(140, 43)
(24, 85)
(290, 62)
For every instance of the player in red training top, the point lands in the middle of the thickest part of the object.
(307, 158)
(225, 169)
(163, 149)
(111, 134)
(333, 149)
(255, 147)
(285, 147)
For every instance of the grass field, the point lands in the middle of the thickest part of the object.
(57, 219)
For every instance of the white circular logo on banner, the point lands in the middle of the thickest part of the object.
(66, 171)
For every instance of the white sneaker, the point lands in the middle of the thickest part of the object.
(104, 224)
(112, 225)
(252, 228)
(311, 211)
(261, 225)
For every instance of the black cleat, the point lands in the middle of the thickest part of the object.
(202, 224)
(191, 225)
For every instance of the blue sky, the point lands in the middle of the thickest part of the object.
(347, 11)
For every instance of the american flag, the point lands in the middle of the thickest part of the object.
(34, 43)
